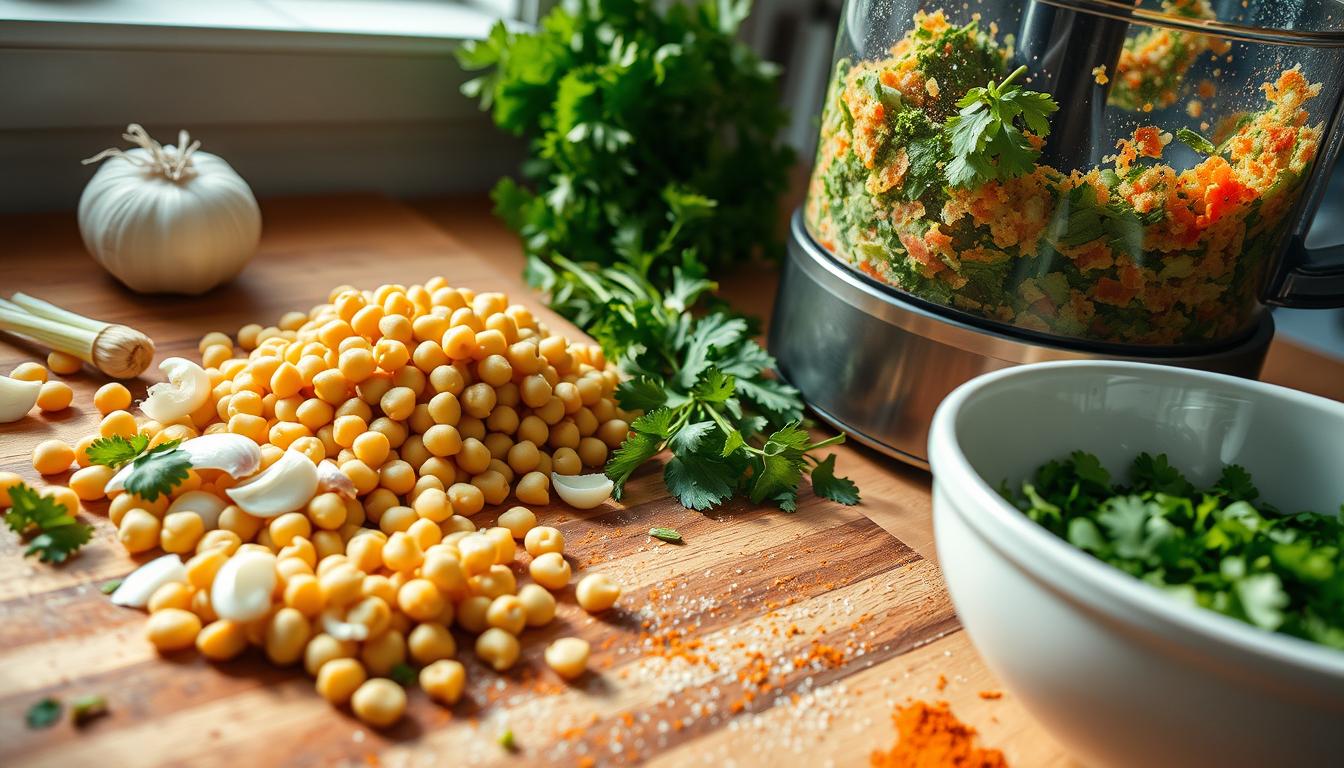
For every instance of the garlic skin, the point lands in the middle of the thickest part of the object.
(243, 587)
(136, 589)
(168, 219)
(330, 479)
(286, 485)
(582, 491)
(17, 398)
(187, 389)
(334, 624)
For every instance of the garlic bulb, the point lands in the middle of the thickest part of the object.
(168, 219)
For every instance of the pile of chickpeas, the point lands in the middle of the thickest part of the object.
(435, 402)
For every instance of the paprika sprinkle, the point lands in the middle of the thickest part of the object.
(930, 736)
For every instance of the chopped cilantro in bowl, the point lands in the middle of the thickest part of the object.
(1221, 548)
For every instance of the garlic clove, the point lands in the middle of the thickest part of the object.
(283, 487)
(243, 587)
(582, 491)
(234, 455)
(17, 398)
(136, 589)
(187, 389)
(336, 626)
(330, 479)
(203, 504)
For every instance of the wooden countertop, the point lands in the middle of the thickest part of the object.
(852, 593)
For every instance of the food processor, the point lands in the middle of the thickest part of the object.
(999, 183)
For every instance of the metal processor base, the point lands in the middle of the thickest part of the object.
(876, 365)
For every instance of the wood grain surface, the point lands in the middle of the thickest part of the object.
(767, 638)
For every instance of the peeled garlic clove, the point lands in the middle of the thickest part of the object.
(336, 626)
(234, 455)
(140, 585)
(187, 389)
(330, 479)
(243, 586)
(283, 487)
(203, 504)
(17, 398)
(582, 491)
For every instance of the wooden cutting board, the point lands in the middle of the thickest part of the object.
(768, 638)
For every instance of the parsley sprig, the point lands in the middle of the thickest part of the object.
(702, 384)
(53, 533)
(154, 471)
(988, 136)
(1220, 547)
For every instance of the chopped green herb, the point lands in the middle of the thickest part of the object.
(108, 587)
(667, 534)
(86, 708)
(507, 741)
(987, 140)
(158, 471)
(43, 714)
(1212, 547)
(1195, 141)
(53, 534)
(117, 451)
(403, 674)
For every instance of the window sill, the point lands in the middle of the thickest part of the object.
(373, 26)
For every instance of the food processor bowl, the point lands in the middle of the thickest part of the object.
(1003, 182)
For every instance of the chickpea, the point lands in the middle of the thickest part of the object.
(420, 599)
(478, 400)
(473, 457)
(466, 498)
(289, 526)
(112, 397)
(497, 648)
(533, 488)
(433, 505)
(340, 586)
(566, 461)
(447, 378)
(379, 586)
(592, 452)
(339, 679)
(507, 613)
(493, 485)
(324, 648)
(538, 604)
(181, 531)
(613, 432)
(458, 524)
(29, 372)
(470, 426)
(327, 511)
(52, 457)
(397, 476)
(430, 642)
(402, 552)
(543, 539)
(568, 656)
(223, 540)
(286, 635)
(303, 593)
(378, 702)
(443, 681)
(444, 570)
(471, 613)
(88, 483)
(382, 653)
(550, 570)
(443, 440)
(478, 553)
(221, 640)
(532, 430)
(63, 364)
(596, 592)
(239, 522)
(372, 448)
(172, 629)
(201, 568)
(398, 403)
(518, 521)
(523, 457)
(54, 396)
(174, 594)
(505, 549)
(497, 581)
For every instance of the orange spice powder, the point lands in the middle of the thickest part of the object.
(930, 736)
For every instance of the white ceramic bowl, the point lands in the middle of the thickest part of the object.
(1121, 674)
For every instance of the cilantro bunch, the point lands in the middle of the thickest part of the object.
(154, 471)
(701, 382)
(652, 133)
(988, 135)
(52, 532)
(1218, 547)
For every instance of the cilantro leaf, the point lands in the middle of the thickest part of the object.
(44, 713)
(638, 448)
(987, 135)
(641, 393)
(158, 471)
(116, 451)
(1236, 484)
(52, 533)
(826, 485)
(1195, 141)
(699, 482)
(403, 674)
